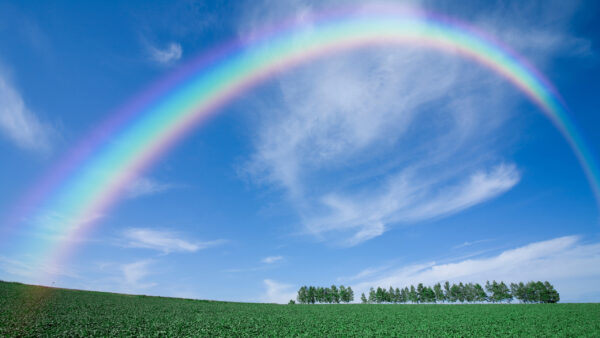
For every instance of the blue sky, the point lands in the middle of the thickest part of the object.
(382, 166)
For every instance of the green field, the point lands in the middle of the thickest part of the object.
(38, 311)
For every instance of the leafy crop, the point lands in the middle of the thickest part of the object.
(37, 311)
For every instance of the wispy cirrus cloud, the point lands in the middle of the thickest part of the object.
(570, 264)
(19, 124)
(29, 271)
(143, 186)
(134, 274)
(277, 292)
(267, 263)
(164, 241)
(364, 141)
(366, 214)
(165, 56)
(272, 259)
(471, 243)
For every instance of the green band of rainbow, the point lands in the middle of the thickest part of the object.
(97, 182)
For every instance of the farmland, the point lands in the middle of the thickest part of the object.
(33, 311)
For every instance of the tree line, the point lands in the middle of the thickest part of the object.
(531, 292)
(333, 294)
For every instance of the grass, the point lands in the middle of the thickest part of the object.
(27, 310)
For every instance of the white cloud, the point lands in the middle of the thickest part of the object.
(366, 214)
(572, 266)
(51, 226)
(547, 25)
(367, 140)
(467, 243)
(166, 56)
(133, 273)
(272, 259)
(165, 241)
(19, 123)
(28, 271)
(143, 186)
(277, 292)
(364, 273)
(479, 187)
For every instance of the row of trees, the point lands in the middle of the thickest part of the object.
(532, 292)
(333, 294)
(535, 292)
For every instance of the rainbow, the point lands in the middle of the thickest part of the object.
(94, 175)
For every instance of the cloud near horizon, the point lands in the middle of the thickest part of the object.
(134, 273)
(571, 265)
(276, 292)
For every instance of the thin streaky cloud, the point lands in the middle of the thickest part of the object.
(267, 264)
(166, 56)
(30, 272)
(164, 241)
(19, 124)
(471, 243)
(143, 186)
(403, 201)
(272, 259)
(573, 266)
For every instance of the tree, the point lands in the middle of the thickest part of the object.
(518, 291)
(349, 295)
(504, 293)
(447, 291)
(469, 292)
(335, 295)
(342, 294)
(429, 295)
(413, 296)
(397, 296)
(514, 291)
(320, 294)
(291, 302)
(311, 295)
(480, 295)
(490, 289)
(372, 295)
(420, 295)
(461, 292)
(439, 294)
(531, 292)
(302, 295)
(379, 295)
(553, 296)
(404, 294)
(327, 296)
(363, 299)
(391, 295)
(454, 293)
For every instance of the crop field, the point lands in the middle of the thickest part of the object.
(38, 311)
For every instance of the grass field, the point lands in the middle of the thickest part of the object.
(39, 311)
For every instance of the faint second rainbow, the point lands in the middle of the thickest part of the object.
(205, 86)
